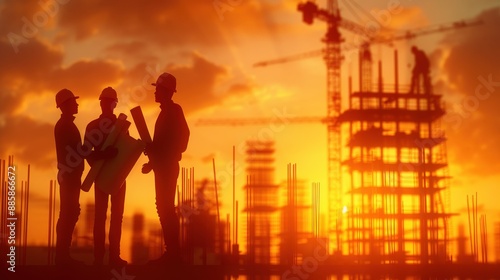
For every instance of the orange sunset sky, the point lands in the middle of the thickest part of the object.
(210, 46)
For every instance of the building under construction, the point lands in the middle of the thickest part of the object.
(262, 202)
(397, 167)
(296, 220)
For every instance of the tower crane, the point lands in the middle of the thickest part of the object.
(332, 54)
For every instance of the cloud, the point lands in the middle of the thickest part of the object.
(33, 72)
(134, 32)
(384, 22)
(196, 83)
(408, 18)
(86, 78)
(26, 69)
(39, 67)
(8, 104)
(169, 23)
(29, 140)
(201, 84)
(469, 60)
(136, 49)
(12, 13)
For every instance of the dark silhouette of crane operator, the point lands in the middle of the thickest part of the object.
(420, 72)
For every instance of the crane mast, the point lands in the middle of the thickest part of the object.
(332, 57)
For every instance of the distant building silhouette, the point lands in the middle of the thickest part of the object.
(497, 241)
(295, 222)
(262, 202)
(139, 250)
(155, 241)
(462, 256)
(89, 224)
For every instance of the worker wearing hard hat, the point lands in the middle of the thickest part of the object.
(170, 139)
(70, 168)
(420, 72)
(95, 135)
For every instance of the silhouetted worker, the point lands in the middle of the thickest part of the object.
(170, 139)
(420, 71)
(96, 133)
(70, 167)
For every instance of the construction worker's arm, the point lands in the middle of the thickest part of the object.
(96, 154)
(146, 168)
(148, 151)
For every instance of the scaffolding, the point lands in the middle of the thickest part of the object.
(397, 164)
(262, 202)
(296, 218)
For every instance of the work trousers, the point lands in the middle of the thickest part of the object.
(420, 80)
(69, 211)
(166, 175)
(115, 227)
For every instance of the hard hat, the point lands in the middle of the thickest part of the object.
(110, 93)
(64, 95)
(167, 81)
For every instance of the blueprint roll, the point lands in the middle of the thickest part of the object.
(140, 123)
(119, 127)
(114, 171)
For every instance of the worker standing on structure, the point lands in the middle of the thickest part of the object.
(421, 69)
